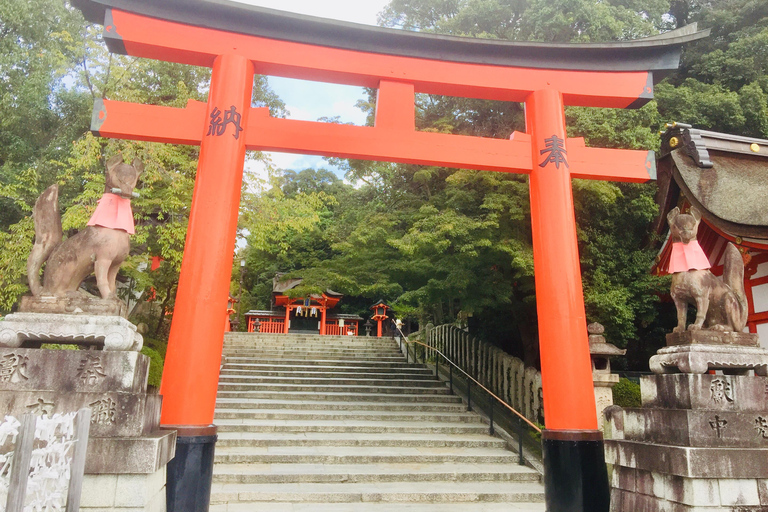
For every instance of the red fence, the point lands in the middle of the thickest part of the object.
(335, 329)
(267, 326)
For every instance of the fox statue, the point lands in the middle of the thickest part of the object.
(721, 304)
(100, 248)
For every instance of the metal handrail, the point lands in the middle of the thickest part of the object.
(505, 404)
(470, 380)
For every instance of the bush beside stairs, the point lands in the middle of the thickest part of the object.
(327, 423)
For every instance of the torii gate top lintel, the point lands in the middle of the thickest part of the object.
(658, 53)
(623, 73)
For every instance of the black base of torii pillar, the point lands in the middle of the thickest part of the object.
(575, 475)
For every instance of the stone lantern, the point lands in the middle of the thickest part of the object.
(600, 352)
(379, 315)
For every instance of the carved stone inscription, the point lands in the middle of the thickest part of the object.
(90, 370)
(103, 411)
(718, 425)
(761, 425)
(13, 367)
(720, 390)
(41, 407)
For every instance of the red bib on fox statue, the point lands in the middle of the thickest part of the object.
(687, 257)
(113, 212)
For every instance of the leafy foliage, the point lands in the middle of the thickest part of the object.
(626, 394)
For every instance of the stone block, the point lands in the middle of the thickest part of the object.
(613, 428)
(112, 414)
(125, 455)
(624, 478)
(702, 492)
(707, 337)
(697, 428)
(650, 483)
(73, 305)
(90, 371)
(109, 332)
(138, 490)
(741, 492)
(702, 358)
(689, 462)
(98, 491)
(711, 392)
(762, 491)
(124, 493)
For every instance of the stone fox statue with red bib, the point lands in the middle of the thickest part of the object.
(100, 248)
(721, 304)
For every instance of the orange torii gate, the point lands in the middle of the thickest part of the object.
(240, 41)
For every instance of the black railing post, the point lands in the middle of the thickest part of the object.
(469, 394)
(450, 375)
(521, 460)
(437, 367)
(490, 430)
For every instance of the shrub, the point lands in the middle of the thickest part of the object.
(626, 393)
(155, 365)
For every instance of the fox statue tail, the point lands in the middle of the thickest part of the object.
(48, 235)
(733, 276)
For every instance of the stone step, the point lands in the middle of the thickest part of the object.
(274, 506)
(317, 424)
(245, 362)
(357, 473)
(407, 388)
(317, 439)
(277, 357)
(337, 426)
(329, 372)
(401, 492)
(455, 405)
(330, 381)
(356, 455)
(352, 343)
(283, 414)
(315, 351)
(311, 345)
(352, 397)
(296, 336)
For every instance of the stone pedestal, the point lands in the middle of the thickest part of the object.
(127, 452)
(32, 329)
(699, 443)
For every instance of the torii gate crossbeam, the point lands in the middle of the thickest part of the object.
(239, 41)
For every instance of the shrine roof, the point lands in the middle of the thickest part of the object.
(724, 176)
(280, 286)
(659, 53)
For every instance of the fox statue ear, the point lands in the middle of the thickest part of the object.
(696, 214)
(671, 216)
(138, 165)
(114, 162)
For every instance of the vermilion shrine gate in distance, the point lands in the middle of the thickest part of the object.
(239, 41)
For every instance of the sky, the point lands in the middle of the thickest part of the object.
(309, 101)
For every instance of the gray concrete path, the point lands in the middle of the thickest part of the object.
(321, 423)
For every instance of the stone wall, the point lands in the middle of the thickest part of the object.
(506, 376)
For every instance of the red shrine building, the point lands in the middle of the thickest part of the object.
(309, 315)
(726, 178)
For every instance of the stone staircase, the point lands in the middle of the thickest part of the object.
(327, 423)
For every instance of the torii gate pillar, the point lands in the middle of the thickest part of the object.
(572, 446)
(191, 373)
